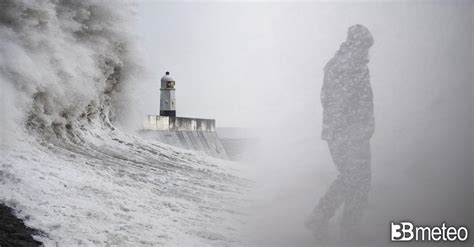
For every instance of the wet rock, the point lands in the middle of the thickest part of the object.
(13, 232)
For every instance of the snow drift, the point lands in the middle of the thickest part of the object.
(65, 166)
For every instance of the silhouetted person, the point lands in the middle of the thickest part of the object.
(348, 125)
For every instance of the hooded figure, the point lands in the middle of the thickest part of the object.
(348, 125)
(346, 94)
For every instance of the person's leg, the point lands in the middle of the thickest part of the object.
(332, 199)
(358, 182)
(334, 196)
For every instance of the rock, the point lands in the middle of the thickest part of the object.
(13, 232)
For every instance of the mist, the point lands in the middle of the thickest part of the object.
(74, 75)
(260, 66)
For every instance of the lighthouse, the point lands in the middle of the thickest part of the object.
(197, 134)
(167, 97)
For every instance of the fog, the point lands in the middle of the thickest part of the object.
(260, 66)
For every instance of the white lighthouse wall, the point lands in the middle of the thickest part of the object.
(167, 100)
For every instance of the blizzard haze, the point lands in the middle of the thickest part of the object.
(260, 65)
(71, 71)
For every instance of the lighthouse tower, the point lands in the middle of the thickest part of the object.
(191, 133)
(167, 99)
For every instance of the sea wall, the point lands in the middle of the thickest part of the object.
(155, 122)
(200, 141)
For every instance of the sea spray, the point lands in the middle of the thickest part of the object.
(66, 168)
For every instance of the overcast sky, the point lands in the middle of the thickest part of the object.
(238, 62)
(261, 65)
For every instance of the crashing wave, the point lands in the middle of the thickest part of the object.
(65, 167)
